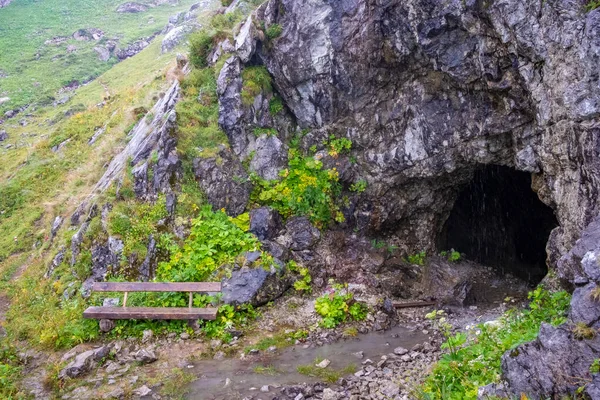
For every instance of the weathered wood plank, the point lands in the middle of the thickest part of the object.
(157, 287)
(150, 313)
(398, 304)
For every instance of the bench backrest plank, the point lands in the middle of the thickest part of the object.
(157, 287)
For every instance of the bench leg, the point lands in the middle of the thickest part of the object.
(106, 325)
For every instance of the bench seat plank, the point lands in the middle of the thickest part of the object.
(150, 313)
(156, 287)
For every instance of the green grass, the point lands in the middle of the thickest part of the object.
(36, 71)
(474, 361)
(328, 374)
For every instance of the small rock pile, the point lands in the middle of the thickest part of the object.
(394, 376)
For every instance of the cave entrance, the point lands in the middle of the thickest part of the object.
(498, 220)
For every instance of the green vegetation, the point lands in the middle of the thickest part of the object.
(592, 5)
(275, 105)
(339, 306)
(417, 259)
(326, 374)
(10, 372)
(254, 81)
(264, 131)
(452, 255)
(359, 186)
(474, 361)
(274, 31)
(595, 366)
(265, 370)
(35, 37)
(279, 340)
(381, 244)
(303, 283)
(305, 189)
(338, 146)
(214, 241)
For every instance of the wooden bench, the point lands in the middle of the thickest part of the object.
(124, 312)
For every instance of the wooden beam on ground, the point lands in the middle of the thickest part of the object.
(398, 304)
(176, 313)
(157, 287)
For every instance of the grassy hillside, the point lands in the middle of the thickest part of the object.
(33, 70)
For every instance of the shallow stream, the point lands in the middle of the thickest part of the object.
(236, 379)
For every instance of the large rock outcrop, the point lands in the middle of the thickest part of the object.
(429, 92)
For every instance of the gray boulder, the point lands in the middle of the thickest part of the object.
(302, 233)
(103, 53)
(542, 368)
(84, 362)
(145, 356)
(270, 157)
(176, 36)
(224, 181)
(3, 135)
(132, 7)
(255, 286)
(265, 223)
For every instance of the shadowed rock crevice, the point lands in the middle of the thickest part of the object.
(498, 220)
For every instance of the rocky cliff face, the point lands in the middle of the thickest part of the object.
(430, 93)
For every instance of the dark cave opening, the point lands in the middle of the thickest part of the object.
(498, 220)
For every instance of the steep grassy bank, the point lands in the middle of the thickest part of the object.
(33, 67)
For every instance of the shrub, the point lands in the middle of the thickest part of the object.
(215, 240)
(305, 189)
(460, 373)
(274, 31)
(338, 306)
(201, 43)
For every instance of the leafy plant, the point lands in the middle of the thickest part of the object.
(595, 367)
(338, 146)
(337, 306)
(359, 186)
(214, 240)
(302, 284)
(417, 259)
(305, 188)
(452, 255)
(474, 360)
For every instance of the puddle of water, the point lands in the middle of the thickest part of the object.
(214, 374)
